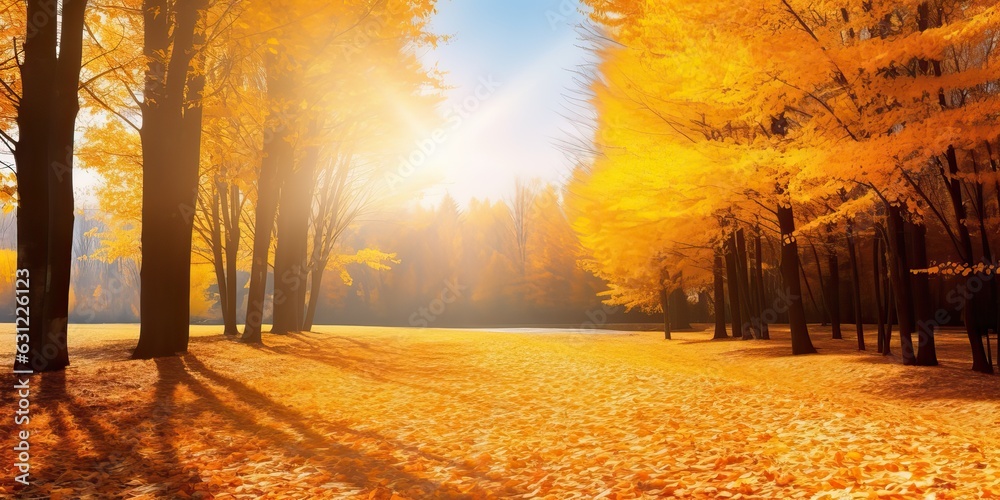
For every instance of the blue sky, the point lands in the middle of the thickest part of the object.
(527, 46)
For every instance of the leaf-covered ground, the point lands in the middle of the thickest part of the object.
(399, 413)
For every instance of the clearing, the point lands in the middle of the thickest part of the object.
(405, 413)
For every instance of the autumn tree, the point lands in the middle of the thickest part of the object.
(47, 53)
(171, 149)
(300, 70)
(732, 150)
(824, 114)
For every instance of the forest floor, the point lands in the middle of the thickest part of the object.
(397, 413)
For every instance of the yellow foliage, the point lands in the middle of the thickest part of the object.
(202, 278)
(713, 114)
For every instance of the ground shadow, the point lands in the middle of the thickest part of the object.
(102, 452)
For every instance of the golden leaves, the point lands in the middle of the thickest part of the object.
(383, 413)
(713, 103)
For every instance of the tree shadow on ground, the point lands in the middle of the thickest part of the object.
(951, 379)
(93, 455)
(770, 349)
(387, 365)
(95, 450)
(948, 380)
(316, 438)
(709, 341)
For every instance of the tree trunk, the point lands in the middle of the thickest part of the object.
(996, 191)
(991, 294)
(680, 315)
(171, 140)
(61, 200)
(291, 266)
(278, 156)
(890, 310)
(823, 288)
(761, 298)
(665, 306)
(833, 293)
(748, 311)
(812, 298)
(801, 343)
(719, 296)
(855, 285)
(757, 300)
(879, 291)
(315, 286)
(926, 352)
(979, 360)
(231, 224)
(218, 204)
(38, 71)
(732, 277)
(899, 276)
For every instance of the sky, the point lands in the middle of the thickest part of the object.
(509, 67)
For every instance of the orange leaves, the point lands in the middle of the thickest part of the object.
(395, 414)
(784, 479)
(851, 455)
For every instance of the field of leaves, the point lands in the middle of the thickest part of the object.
(384, 413)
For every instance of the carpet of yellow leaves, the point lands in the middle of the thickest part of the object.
(386, 413)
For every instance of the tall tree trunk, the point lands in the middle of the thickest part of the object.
(812, 298)
(315, 287)
(890, 301)
(732, 278)
(218, 262)
(742, 263)
(823, 288)
(887, 304)
(665, 306)
(980, 362)
(278, 157)
(171, 140)
(680, 310)
(231, 223)
(926, 352)
(61, 200)
(899, 276)
(761, 298)
(801, 343)
(719, 295)
(756, 305)
(996, 192)
(31, 155)
(855, 285)
(984, 240)
(880, 291)
(291, 266)
(833, 293)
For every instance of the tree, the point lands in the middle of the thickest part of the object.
(47, 106)
(171, 148)
(520, 205)
(824, 113)
(302, 71)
